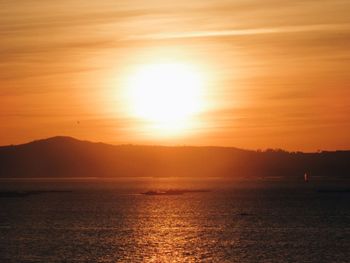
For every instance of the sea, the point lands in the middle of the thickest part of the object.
(95, 220)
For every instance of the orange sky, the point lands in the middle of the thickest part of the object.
(277, 72)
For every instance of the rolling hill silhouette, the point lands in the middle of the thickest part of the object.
(59, 157)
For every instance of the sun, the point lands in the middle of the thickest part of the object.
(167, 95)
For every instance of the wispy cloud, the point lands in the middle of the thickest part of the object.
(243, 32)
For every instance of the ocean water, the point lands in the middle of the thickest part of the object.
(112, 222)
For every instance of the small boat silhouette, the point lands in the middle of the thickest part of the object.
(169, 192)
(175, 192)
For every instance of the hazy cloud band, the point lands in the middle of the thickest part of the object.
(242, 32)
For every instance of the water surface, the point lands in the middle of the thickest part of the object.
(112, 222)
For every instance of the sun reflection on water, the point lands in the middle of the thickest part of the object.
(170, 231)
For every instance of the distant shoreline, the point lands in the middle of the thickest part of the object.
(170, 178)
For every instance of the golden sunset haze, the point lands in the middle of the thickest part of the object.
(250, 74)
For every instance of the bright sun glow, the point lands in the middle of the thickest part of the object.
(166, 94)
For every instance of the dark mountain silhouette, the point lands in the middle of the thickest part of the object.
(67, 157)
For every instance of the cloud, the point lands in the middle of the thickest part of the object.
(243, 32)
